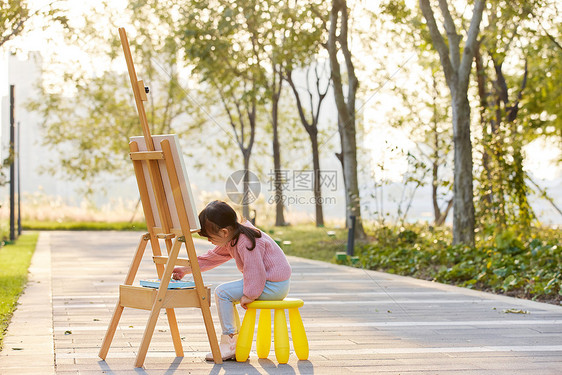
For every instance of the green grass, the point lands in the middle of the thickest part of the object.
(14, 262)
(308, 241)
(53, 225)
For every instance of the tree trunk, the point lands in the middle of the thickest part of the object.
(463, 205)
(435, 166)
(436, 209)
(346, 109)
(457, 67)
(483, 96)
(250, 113)
(312, 130)
(349, 151)
(317, 185)
(279, 217)
(339, 155)
(246, 187)
(444, 215)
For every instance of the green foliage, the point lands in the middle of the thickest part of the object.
(14, 261)
(541, 107)
(502, 187)
(224, 42)
(13, 15)
(226, 49)
(506, 44)
(524, 266)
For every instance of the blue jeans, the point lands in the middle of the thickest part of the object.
(227, 294)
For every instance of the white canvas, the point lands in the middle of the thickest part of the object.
(181, 171)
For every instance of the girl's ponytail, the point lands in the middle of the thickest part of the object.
(251, 233)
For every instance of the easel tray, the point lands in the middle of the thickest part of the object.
(139, 297)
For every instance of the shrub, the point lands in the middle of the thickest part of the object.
(508, 263)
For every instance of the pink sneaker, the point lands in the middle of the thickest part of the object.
(227, 347)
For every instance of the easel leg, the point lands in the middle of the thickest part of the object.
(158, 304)
(171, 314)
(110, 331)
(147, 336)
(211, 334)
(205, 305)
(133, 268)
(173, 323)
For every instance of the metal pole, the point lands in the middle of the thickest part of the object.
(18, 180)
(351, 236)
(12, 169)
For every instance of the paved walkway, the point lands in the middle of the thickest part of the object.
(357, 321)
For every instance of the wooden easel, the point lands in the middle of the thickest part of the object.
(168, 219)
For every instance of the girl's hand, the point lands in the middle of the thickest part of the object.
(244, 301)
(179, 273)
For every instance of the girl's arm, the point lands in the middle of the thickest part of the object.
(207, 261)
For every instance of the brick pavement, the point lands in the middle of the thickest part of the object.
(357, 321)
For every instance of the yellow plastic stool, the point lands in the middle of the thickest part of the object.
(281, 334)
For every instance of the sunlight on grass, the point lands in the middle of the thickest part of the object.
(308, 241)
(14, 261)
(77, 225)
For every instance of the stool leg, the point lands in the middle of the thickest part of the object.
(281, 336)
(236, 318)
(300, 342)
(263, 341)
(246, 336)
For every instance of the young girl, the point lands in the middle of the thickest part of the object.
(265, 269)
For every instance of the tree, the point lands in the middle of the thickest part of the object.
(272, 40)
(275, 88)
(225, 52)
(15, 14)
(338, 42)
(90, 129)
(434, 142)
(306, 29)
(315, 98)
(542, 110)
(427, 114)
(502, 180)
(457, 74)
(510, 42)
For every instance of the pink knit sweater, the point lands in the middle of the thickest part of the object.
(265, 262)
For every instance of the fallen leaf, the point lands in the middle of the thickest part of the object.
(516, 311)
